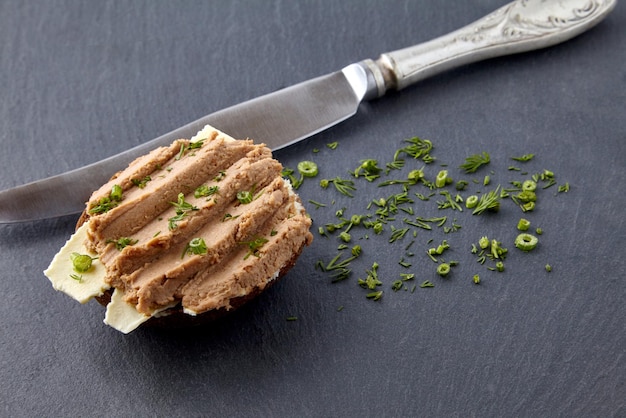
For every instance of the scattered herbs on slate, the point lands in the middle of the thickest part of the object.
(397, 214)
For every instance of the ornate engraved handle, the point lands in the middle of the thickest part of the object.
(520, 26)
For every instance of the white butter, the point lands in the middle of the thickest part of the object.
(121, 315)
(61, 270)
(207, 132)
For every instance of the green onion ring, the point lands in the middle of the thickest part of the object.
(526, 242)
(307, 168)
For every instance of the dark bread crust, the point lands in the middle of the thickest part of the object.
(175, 318)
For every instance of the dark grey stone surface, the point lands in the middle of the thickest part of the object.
(80, 81)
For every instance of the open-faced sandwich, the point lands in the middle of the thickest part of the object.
(187, 231)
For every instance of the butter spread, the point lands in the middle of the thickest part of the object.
(60, 271)
(248, 243)
(123, 316)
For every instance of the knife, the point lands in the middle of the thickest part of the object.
(289, 115)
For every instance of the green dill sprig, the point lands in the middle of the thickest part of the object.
(524, 158)
(122, 242)
(394, 165)
(317, 204)
(190, 146)
(418, 149)
(343, 186)
(182, 209)
(205, 191)
(450, 202)
(488, 201)
(368, 169)
(289, 174)
(397, 233)
(474, 162)
(371, 281)
(141, 183)
(340, 268)
(254, 246)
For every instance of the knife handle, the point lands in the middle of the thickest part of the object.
(520, 26)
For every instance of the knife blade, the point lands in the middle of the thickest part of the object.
(286, 116)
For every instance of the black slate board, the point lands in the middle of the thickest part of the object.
(80, 81)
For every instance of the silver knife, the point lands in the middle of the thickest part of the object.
(297, 112)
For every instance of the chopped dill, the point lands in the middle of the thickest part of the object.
(488, 201)
(474, 162)
(141, 183)
(343, 186)
(317, 204)
(397, 234)
(524, 158)
(122, 242)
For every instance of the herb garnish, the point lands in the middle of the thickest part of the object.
(81, 262)
(474, 162)
(488, 201)
(307, 168)
(122, 242)
(196, 246)
(205, 191)
(220, 176)
(345, 187)
(418, 149)
(382, 212)
(77, 277)
(183, 209)
(192, 145)
(523, 158)
(141, 183)
(107, 203)
(368, 169)
(372, 281)
(254, 246)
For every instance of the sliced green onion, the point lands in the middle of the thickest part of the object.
(527, 196)
(526, 242)
(443, 269)
(244, 197)
(116, 193)
(81, 262)
(307, 168)
(529, 185)
(442, 178)
(471, 201)
(196, 246)
(523, 224)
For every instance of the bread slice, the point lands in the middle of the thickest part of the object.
(185, 233)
